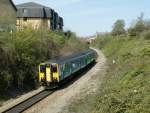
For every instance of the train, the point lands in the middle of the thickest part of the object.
(53, 72)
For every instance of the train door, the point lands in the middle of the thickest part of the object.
(55, 73)
(48, 73)
(41, 72)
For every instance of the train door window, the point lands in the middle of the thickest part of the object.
(54, 68)
(42, 68)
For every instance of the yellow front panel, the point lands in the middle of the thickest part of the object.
(48, 74)
(56, 74)
(41, 76)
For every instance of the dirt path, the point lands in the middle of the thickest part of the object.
(61, 98)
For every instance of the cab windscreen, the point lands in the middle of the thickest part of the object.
(42, 68)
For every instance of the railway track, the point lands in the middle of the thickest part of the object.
(29, 102)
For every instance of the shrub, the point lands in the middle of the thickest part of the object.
(132, 32)
(146, 35)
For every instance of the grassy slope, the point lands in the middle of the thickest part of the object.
(125, 88)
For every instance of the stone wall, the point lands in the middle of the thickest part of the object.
(35, 23)
(7, 15)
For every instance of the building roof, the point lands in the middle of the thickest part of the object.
(30, 5)
(35, 10)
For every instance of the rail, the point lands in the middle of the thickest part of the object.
(24, 105)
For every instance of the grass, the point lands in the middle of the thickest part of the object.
(125, 88)
(3, 97)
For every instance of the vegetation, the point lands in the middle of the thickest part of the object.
(139, 26)
(125, 87)
(119, 28)
(22, 51)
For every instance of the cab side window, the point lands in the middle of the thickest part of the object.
(42, 68)
(54, 68)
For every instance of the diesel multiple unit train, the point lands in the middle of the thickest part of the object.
(52, 72)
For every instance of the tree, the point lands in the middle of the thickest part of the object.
(119, 28)
(139, 26)
(147, 24)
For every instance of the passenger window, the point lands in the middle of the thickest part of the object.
(74, 65)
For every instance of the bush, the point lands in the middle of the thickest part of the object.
(132, 32)
(101, 41)
(146, 35)
(5, 80)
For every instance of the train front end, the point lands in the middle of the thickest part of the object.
(49, 74)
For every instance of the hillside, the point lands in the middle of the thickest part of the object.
(126, 87)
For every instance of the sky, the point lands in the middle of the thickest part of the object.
(86, 17)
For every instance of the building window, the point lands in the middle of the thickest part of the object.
(25, 19)
(24, 10)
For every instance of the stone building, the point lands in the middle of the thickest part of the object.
(7, 15)
(37, 16)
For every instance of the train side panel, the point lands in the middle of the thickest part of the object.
(65, 70)
(83, 61)
(69, 67)
(75, 65)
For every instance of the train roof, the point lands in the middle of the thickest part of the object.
(60, 60)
